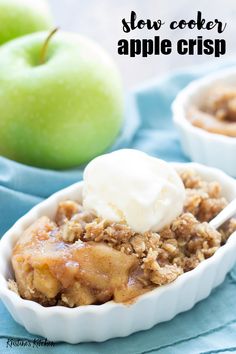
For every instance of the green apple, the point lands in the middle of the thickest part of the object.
(61, 101)
(20, 17)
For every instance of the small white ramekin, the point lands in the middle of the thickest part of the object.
(201, 146)
(102, 322)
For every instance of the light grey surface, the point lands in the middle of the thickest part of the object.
(101, 20)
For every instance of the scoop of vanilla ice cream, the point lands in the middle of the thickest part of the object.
(129, 185)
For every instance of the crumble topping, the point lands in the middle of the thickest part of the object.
(81, 259)
(218, 112)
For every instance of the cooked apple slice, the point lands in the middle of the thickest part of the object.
(76, 273)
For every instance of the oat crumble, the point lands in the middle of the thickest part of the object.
(81, 259)
(217, 114)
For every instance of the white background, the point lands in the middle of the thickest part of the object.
(101, 20)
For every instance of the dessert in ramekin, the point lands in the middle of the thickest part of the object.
(203, 113)
(66, 256)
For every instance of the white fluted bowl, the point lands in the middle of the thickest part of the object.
(211, 149)
(102, 322)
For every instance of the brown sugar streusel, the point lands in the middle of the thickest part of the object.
(128, 263)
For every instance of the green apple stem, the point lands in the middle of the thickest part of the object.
(45, 46)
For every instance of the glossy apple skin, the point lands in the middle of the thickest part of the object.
(64, 112)
(20, 17)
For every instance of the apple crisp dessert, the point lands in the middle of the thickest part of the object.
(81, 259)
(218, 113)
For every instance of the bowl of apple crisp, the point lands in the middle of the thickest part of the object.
(205, 115)
(127, 248)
